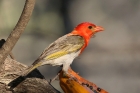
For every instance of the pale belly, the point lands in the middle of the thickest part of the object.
(66, 59)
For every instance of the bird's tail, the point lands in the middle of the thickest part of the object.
(30, 69)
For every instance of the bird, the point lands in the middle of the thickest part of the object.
(66, 48)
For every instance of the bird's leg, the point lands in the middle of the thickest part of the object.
(65, 70)
(67, 74)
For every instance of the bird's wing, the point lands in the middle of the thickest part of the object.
(62, 46)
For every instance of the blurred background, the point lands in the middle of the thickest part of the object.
(112, 59)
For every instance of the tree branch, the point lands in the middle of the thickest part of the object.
(10, 82)
(33, 83)
(17, 31)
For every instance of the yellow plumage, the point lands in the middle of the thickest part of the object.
(56, 55)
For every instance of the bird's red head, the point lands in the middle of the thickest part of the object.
(86, 30)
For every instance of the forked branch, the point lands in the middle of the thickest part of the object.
(17, 31)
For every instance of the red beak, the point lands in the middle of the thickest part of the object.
(98, 29)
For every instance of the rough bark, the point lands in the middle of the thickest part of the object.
(33, 83)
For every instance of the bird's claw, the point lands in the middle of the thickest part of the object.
(71, 77)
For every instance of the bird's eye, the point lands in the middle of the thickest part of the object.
(99, 89)
(90, 27)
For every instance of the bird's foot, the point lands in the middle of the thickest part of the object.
(70, 77)
(65, 74)
(73, 78)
